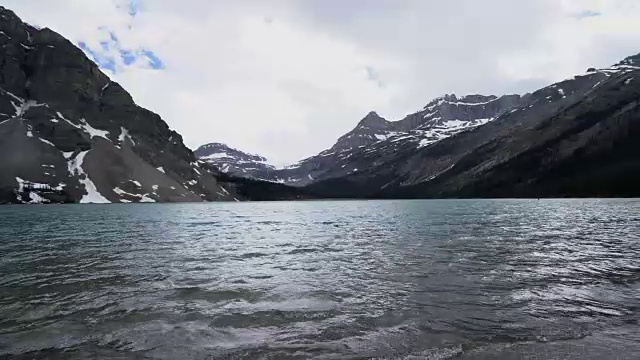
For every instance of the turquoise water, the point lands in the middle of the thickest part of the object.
(460, 279)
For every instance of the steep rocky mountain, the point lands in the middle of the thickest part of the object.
(70, 134)
(579, 137)
(377, 138)
(234, 161)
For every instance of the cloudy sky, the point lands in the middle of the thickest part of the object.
(286, 78)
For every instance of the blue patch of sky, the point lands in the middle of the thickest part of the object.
(588, 14)
(104, 61)
(154, 60)
(133, 8)
(128, 56)
(371, 73)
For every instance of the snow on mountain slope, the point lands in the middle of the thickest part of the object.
(441, 118)
(233, 161)
(577, 137)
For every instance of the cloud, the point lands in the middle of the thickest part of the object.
(285, 78)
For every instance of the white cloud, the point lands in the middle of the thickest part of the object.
(284, 78)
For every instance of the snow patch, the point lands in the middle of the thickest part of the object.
(425, 142)
(75, 167)
(124, 134)
(429, 114)
(136, 182)
(386, 136)
(161, 169)
(36, 198)
(453, 124)
(24, 105)
(219, 155)
(146, 199)
(46, 141)
(141, 198)
(93, 132)
(121, 192)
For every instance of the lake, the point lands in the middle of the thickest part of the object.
(433, 279)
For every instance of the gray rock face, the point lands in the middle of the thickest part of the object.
(70, 134)
(366, 132)
(375, 139)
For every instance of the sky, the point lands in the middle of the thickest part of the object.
(286, 78)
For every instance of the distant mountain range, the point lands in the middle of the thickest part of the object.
(373, 135)
(70, 134)
(579, 137)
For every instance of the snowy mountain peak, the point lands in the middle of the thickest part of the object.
(231, 160)
(220, 150)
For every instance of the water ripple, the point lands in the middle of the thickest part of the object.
(475, 279)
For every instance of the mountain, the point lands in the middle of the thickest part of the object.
(70, 134)
(233, 161)
(576, 138)
(373, 138)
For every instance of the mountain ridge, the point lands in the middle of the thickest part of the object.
(440, 118)
(380, 158)
(546, 147)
